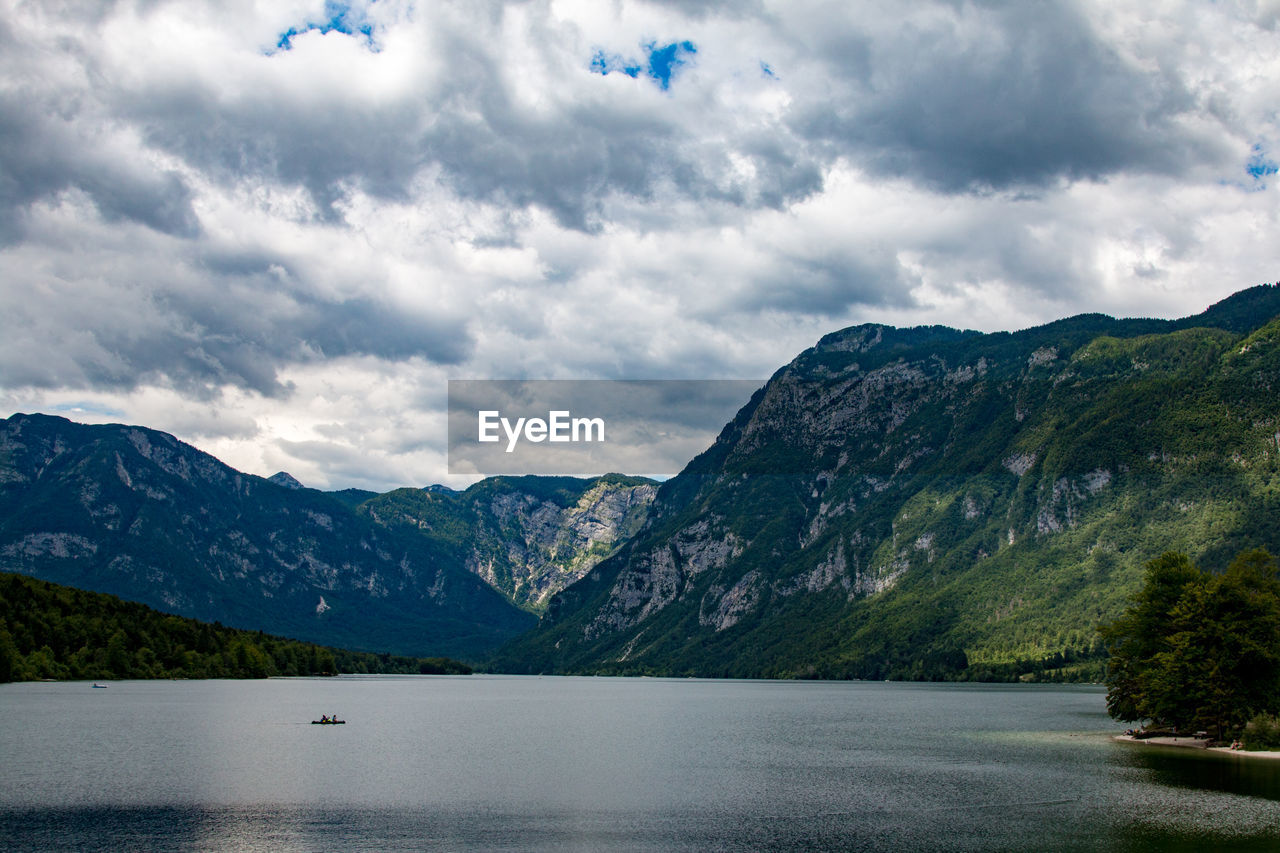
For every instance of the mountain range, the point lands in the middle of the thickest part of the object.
(136, 513)
(894, 503)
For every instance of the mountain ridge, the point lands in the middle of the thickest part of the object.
(911, 503)
(928, 502)
(136, 513)
(527, 536)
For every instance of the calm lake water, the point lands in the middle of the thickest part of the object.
(528, 763)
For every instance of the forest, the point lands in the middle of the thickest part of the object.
(49, 631)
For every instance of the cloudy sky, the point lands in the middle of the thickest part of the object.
(276, 229)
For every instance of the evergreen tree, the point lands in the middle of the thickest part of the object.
(1198, 651)
(1140, 634)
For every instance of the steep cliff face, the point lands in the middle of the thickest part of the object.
(912, 502)
(528, 537)
(136, 513)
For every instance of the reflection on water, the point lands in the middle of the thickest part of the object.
(1203, 770)
(496, 763)
(1185, 799)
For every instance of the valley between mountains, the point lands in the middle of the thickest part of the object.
(894, 503)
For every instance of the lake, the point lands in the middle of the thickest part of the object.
(541, 763)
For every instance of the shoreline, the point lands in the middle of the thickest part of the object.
(1190, 742)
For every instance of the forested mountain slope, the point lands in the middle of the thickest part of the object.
(935, 503)
(529, 537)
(136, 513)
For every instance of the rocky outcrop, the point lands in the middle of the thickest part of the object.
(284, 478)
(528, 537)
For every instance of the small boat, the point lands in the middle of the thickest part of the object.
(328, 722)
(100, 686)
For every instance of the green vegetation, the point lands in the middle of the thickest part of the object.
(49, 631)
(934, 504)
(1199, 651)
(1262, 733)
(527, 536)
(896, 503)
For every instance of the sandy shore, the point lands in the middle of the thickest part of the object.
(1193, 743)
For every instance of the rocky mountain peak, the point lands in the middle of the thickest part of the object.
(284, 478)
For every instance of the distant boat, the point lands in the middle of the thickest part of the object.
(328, 722)
(102, 686)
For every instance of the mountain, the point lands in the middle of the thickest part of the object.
(529, 537)
(136, 513)
(284, 478)
(930, 503)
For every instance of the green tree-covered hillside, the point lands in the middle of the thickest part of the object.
(934, 503)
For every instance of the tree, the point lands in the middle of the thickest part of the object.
(1196, 650)
(118, 655)
(51, 631)
(1139, 634)
(10, 658)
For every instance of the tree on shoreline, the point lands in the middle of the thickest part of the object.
(49, 631)
(1198, 651)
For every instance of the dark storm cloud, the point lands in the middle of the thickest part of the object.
(45, 154)
(965, 97)
(196, 332)
(782, 175)
(52, 140)
(251, 324)
(826, 285)
(979, 96)
(93, 346)
(365, 327)
(269, 137)
(958, 98)
(702, 9)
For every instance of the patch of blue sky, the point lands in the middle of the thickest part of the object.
(337, 18)
(664, 61)
(1260, 165)
(603, 63)
(660, 65)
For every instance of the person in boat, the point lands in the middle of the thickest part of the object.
(323, 718)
